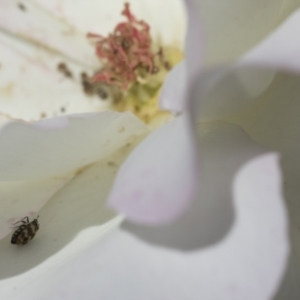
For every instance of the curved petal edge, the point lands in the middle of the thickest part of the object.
(159, 179)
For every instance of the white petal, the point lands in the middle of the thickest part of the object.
(36, 25)
(274, 122)
(289, 289)
(173, 93)
(166, 18)
(232, 27)
(157, 181)
(229, 89)
(280, 49)
(60, 145)
(246, 264)
(31, 87)
(195, 43)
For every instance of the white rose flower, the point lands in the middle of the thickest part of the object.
(204, 204)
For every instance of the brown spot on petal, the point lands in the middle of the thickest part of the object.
(121, 129)
(8, 89)
(63, 68)
(87, 86)
(102, 94)
(22, 7)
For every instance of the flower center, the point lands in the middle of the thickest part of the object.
(133, 69)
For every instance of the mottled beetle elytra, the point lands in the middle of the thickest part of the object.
(25, 232)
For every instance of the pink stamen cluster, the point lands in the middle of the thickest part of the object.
(126, 52)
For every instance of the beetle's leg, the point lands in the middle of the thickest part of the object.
(19, 222)
(22, 221)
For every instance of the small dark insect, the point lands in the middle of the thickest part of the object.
(25, 232)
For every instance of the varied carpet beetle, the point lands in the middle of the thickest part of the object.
(25, 232)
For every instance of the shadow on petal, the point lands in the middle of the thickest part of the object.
(227, 90)
(224, 150)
